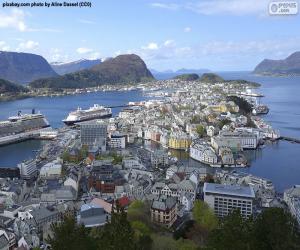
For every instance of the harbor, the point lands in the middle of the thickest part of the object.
(260, 165)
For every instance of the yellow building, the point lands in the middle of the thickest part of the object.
(225, 107)
(180, 142)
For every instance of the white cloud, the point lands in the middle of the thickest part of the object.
(215, 7)
(233, 7)
(187, 29)
(44, 30)
(88, 53)
(168, 6)
(93, 56)
(224, 54)
(28, 45)
(4, 46)
(151, 46)
(84, 50)
(85, 21)
(57, 55)
(15, 19)
(117, 53)
(169, 43)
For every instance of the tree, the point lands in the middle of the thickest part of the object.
(69, 235)
(117, 234)
(223, 122)
(233, 233)
(275, 229)
(204, 216)
(209, 178)
(161, 242)
(139, 211)
(65, 156)
(200, 130)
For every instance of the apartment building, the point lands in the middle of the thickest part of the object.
(225, 198)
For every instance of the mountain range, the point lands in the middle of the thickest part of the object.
(287, 66)
(168, 74)
(65, 68)
(23, 67)
(128, 68)
(9, 87)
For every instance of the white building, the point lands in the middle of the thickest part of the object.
(117, 141)
(51, 170)
(236, 140)
(211, 131)
(132, 162)
(292, 198)
(201, 151)
(225, 198)
(28, 169)
(73, 181)
(186, 199)
(226, 155)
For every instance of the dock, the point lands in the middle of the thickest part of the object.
(289, 139)
(124, 106)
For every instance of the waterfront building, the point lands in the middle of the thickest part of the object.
(179, 141)
(94, 132)
(222, 199)
(236, 140)
(291, 197)
(28, 169)
(226, 155)
(164, 211)
(203, 152)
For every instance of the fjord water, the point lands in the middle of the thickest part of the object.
(279, 161)
(56, 109)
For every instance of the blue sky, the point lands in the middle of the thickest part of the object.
(213, 34)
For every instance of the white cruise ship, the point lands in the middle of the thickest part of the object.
(80, 115)
(23, 123)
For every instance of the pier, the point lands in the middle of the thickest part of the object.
(124, 106)
(289, 139)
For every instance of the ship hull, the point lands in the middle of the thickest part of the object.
(70, 123)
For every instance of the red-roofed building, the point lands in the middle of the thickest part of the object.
(124, 201)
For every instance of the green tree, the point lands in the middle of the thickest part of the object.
(69, 235)
(204, 216)
(65, 156)
(233, 233)
(183, 244)
(117, 234)
(139, 211)
(275, 229)
(200, 130)
(223, 122)
(161, 242)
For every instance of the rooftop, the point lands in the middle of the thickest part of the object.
(233, 190)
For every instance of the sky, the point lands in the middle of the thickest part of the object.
(220, 35)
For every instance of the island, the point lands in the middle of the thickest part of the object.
(286, 67)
